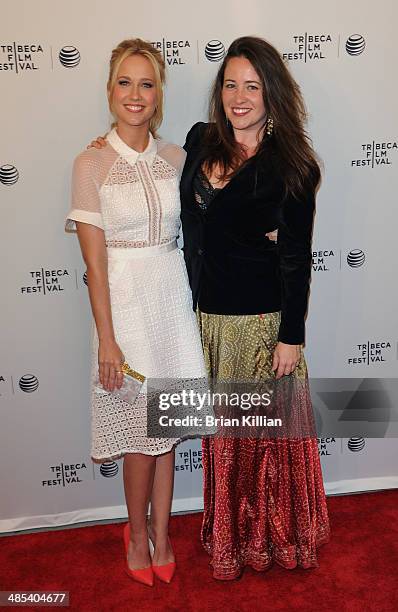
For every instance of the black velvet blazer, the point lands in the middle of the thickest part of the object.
(232, 266)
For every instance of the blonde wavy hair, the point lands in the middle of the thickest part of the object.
(137, 46)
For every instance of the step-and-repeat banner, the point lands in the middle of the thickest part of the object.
(53, 69)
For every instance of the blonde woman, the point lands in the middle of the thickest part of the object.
(126, 211)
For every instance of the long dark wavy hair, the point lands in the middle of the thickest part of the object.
(283, 102)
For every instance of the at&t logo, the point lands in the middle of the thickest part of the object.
(215, 51)
(11, 385)
(356, 258)
(370, 353)
(109, 469)
(355, 445)
(69, 56)
(28, 383)
(9, 175)
(355, 44)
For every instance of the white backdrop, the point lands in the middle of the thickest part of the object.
(53, 70)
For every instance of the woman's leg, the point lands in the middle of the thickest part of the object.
(161, 498)
(138, 476)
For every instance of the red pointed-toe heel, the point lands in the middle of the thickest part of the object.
(165, 572)
(144, 575)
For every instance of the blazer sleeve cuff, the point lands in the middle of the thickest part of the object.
(291, 336)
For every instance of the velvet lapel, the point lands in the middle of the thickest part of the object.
(191, 166)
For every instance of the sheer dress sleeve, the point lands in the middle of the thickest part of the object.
(86, 206)
(173, 155)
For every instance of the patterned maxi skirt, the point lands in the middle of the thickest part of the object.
(264, 499)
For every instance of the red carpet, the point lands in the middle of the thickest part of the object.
(358, 569)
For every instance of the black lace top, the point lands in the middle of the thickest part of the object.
(204, 190)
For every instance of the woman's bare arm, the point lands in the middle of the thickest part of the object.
(110, 357)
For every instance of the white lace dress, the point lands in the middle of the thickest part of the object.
(134, 198)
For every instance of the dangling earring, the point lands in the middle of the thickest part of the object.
(269, 126)
(227, 121)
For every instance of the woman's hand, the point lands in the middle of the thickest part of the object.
(272, 235)
(110, 361)
(286, 359)
(98, 143)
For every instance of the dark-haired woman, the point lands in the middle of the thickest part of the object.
(250, 171)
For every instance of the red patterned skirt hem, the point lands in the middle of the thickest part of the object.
(288, 559)
(264, 504)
